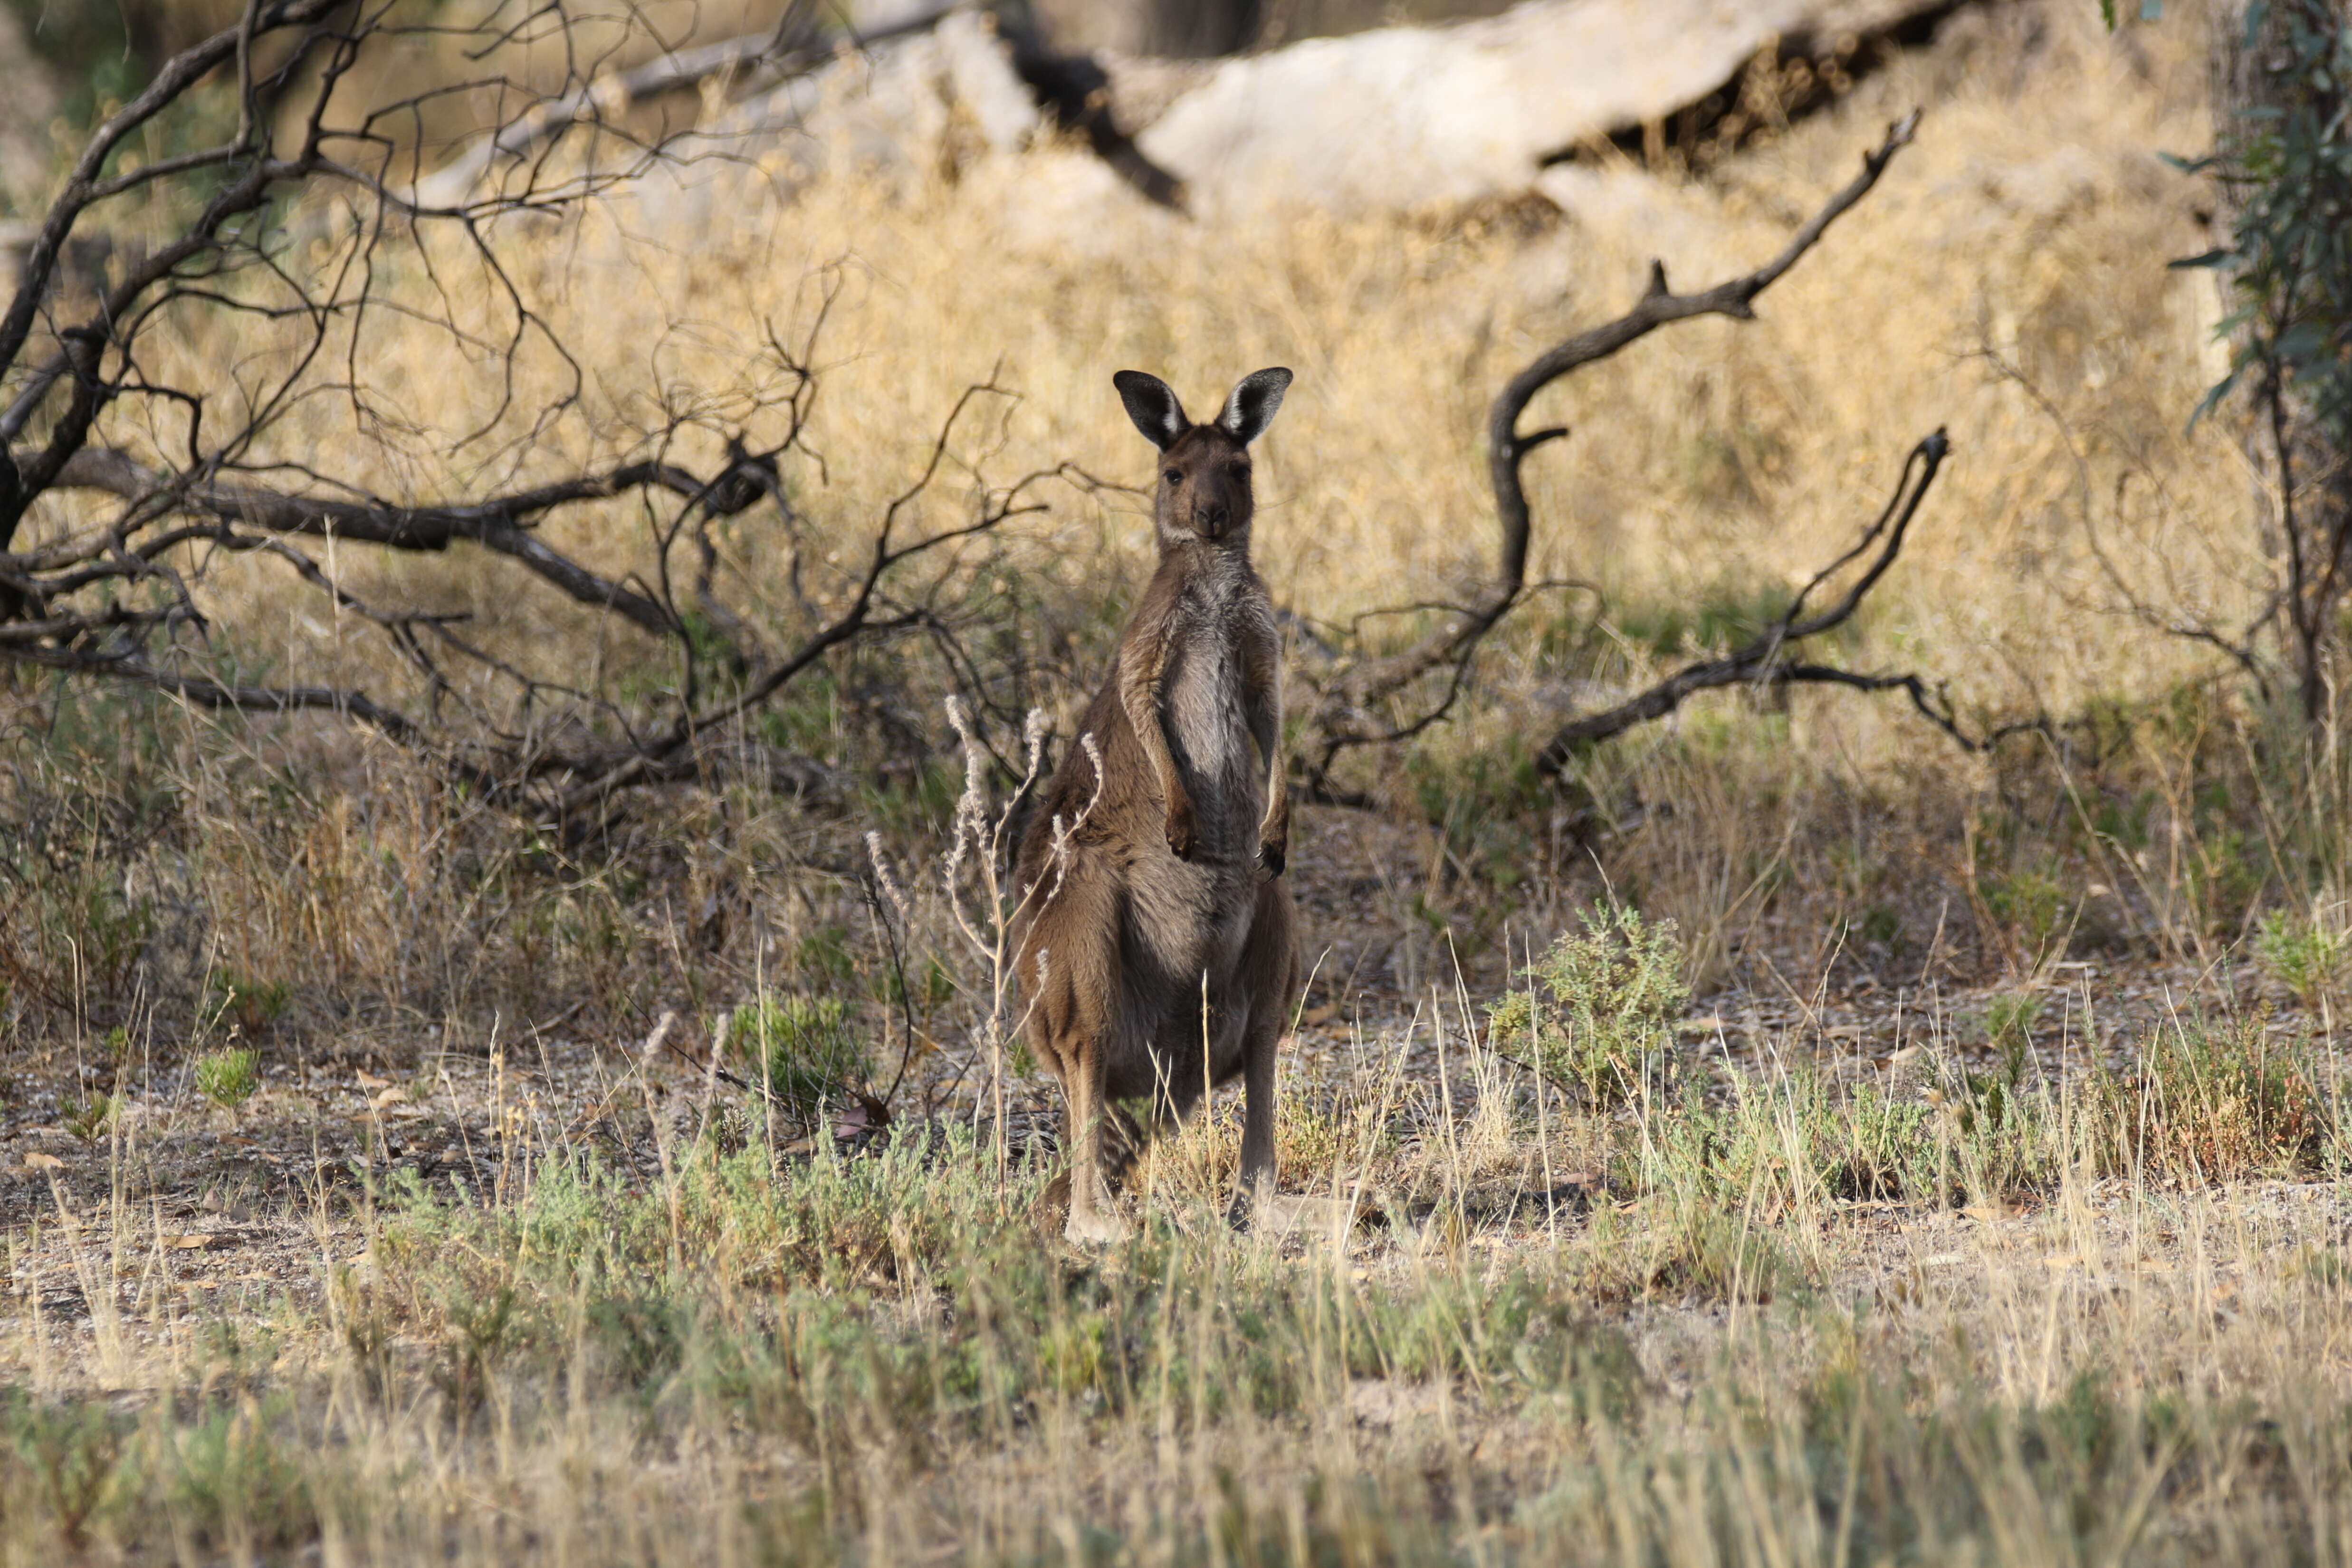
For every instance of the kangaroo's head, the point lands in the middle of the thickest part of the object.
(1203, 491)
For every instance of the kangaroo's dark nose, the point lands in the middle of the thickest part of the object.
(1211, 521)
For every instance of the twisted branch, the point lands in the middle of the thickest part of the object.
(83, 409)
(1761, 663)
(1344, 717)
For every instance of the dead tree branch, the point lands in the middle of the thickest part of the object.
(1764, 661)
(1345, 715)
(131, 469)
(798, 43)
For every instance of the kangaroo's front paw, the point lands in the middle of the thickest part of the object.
(1274, 854)
(1179, 828)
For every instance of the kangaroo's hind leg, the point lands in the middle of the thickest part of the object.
(1070, 960)
(1269, 981)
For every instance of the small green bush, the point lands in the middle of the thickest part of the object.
(2305, 954)
(804, 1051)
(2009, 1022)
(1600, 1011)
(86, 1119)
(2032, 904)
(228, 1077)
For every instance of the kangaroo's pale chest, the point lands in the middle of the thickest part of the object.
(1204, 699)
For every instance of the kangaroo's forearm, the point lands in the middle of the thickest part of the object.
(1262, 700)
(1265, 727)
(1138, 694)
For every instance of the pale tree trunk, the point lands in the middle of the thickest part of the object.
(2302, 461)
(1186, 29)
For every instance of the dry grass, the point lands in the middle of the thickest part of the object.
(1710, 467)
(1929, 1241)
(662, 1339)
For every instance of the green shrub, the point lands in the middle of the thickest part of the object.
(252, 1005)
(86, 1119)
(2009, 1022)
(803, 1052)
(2305, 954)
(1600, 1011)
(228, 1077)
(2032, 904)
(2215, 1105)
(68, 1465)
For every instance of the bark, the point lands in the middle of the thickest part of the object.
(2303, 463)
(1181, 29)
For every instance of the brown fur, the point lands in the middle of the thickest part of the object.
(1155, 883)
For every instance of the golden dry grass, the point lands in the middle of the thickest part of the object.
(1845, 1293)
(2005, 281)
(2031, 222)
(658, 1343)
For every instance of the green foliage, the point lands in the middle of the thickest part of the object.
(1715, 623)
(2304, 954)
(69, 1463)
(2223, 877)
(1792, 1143)
(2032, 903)
(929, 985)
(228, 1077)
(93, 49)
(805, 1051)
(86, 933)
(2287, 167)
(823, 956)
(1988, 1101)
(1600, 1012)
(238, 1480)
(87, 1118)
(2290, 256)
(228, 1479)
(2008, 1024)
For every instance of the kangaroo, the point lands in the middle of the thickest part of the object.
(1153, 875)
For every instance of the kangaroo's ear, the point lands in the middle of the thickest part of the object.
(1152, 406)
(1252, 406)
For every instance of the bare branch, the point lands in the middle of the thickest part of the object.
(1343, 718)
(792, 46)
(83, 186)
(191, 464)
(500, 523)
(1761, 663)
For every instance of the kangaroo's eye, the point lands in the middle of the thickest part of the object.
(1173, 477)
(1239, 471)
